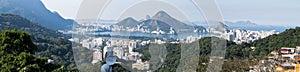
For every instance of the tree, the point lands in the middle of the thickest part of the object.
(15, 42)
(50, 43)
(16, 49)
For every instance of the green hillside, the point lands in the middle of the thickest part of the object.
(50, 43)
(243, 56)
(16, 55)
(288, 38)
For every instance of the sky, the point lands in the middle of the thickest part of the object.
(263, 12)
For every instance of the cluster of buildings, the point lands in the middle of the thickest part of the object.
(285, 60)
(140, 28)
(140, 65)
(121, 49)
(246, 36)
(91, 43)
(191, 39)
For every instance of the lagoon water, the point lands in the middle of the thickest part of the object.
(150, 35)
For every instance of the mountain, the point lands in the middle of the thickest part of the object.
(35, 11)
(176, 24)
(50, 43)
(248, 25)
(128, 22)
(163, 21)
(153, 25)
(162, 14)
(245, 23)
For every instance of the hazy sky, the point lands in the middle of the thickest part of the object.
(263, 12)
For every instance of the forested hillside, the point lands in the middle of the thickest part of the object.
(50, 43)
(247, 54)
(16, 54)
(288, 38)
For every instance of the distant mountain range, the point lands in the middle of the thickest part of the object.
(247, 25)
(160, 20)
(35, 11)
(244, 23)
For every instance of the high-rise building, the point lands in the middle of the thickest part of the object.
(132, 44)
(118, 51)
(97, 56)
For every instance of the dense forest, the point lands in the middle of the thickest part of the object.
(50, 44)
(17, 54)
